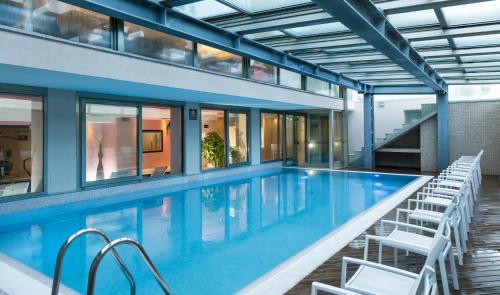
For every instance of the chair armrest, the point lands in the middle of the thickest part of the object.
(350, 260)
(315, 287)
(407, 225)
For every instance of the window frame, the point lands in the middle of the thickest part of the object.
(42, 93)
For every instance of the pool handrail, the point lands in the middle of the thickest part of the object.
(110, 247)
(62, 251)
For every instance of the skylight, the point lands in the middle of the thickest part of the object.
(473, 41)
(481, 58)
(265, 34)
(253, 6)
(480, 12)
(430, 43)
(204, 9)
(414, 18)
(318, 29)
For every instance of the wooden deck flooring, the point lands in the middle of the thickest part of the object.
(480, 273)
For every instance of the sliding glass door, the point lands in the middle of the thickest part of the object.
(110, 141)
(161, 144)
(238, 138)
(224, 138)
(113, 149)
(295, 140)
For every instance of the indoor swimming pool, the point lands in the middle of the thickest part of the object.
(204, 239)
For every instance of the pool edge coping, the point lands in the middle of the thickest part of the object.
(288, 274)
(26, 276)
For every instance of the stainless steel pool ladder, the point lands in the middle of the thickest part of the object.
(110, 245)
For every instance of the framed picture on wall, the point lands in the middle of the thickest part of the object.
(152, 141)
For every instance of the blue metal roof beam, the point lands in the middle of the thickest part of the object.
(397, 89)
(174, 3)
(364, 19)
(160, 18)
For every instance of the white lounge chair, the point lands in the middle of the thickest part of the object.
(376, 278)
(418, 241)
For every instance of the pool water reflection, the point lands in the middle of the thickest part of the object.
(209, 240)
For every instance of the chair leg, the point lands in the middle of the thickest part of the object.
(458, 245)
(453, 267)
(380, 252)
(444, 276)
(395, 257)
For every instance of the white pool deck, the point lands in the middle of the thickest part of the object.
(19, 279)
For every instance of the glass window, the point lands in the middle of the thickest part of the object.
(334, 90)
(335, 27)
(317, 86)
(57, 19)
(270, 136)
(290, 79)
(263, 35)
(238, 138)
(253, 6)
(338, 144)
(480, 12)
(282, 136)
(146, 42)
(219, 61)
(21, 144)
(110, 141)
(205, 9)
(474, 41)
(413, 18)
(161, 141)
(430, 43)
(474, 92)
(212, 139)
(260, 71)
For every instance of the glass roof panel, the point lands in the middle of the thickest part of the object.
(204, 9)
(263, 5)
(318, 29)
(481, 58)
(265, 34)
(483, 40)
(414, 18)
(472, 13)
(430, 43)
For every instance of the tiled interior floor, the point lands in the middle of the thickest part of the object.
(480, 273)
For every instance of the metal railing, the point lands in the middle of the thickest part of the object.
(69, 241)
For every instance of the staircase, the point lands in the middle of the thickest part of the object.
(397, 133)
(383, 145)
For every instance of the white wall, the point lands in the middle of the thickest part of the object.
(355, 127)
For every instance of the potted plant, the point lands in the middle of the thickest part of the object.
(212, 149)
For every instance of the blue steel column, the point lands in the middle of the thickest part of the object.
(368, 130)
(442, 117)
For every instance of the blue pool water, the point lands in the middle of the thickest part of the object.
(212, 239)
